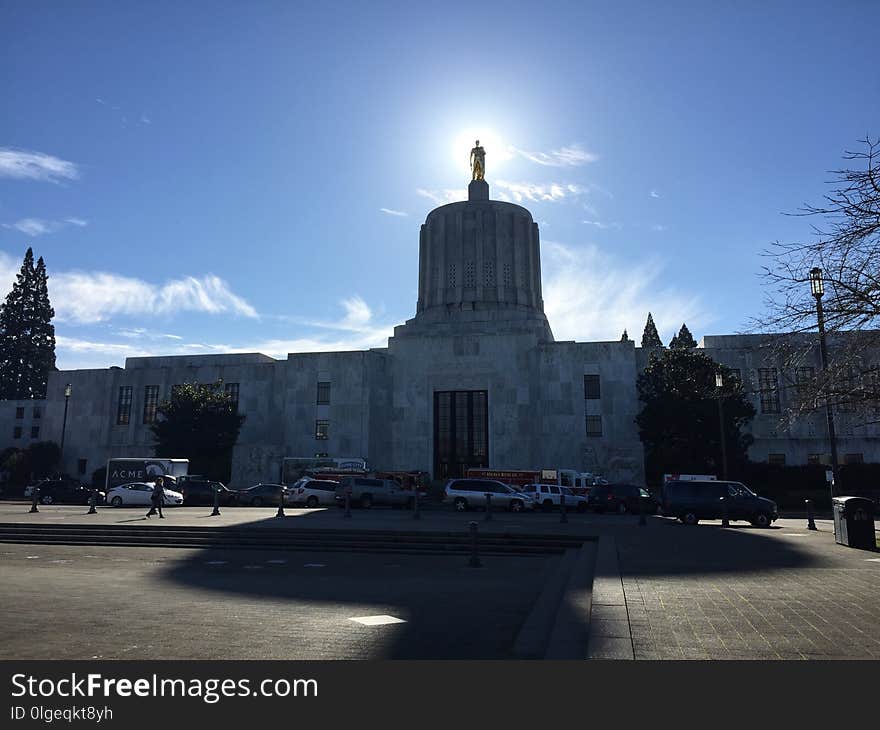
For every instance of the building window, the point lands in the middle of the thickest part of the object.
(450, 280)
(38, 412)
(591, 387)
(469, 275)
(777, 459)
(151, 403)
(488, 274)
(854, 459)
(814, 459)
(323, 394)
(803, 378)
(768, 387)
(81, 466)
(16, 432)
(322, 430)
(123, 408)
(19, 412)
(594, 425)
(35, 432)
(232, 394)
(506, 274)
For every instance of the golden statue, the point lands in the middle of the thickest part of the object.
(478, 162)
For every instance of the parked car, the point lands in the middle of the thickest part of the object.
(368, 492)
(692, 501)
(549, 496)
(314, 492)
(59, 491)
(621, 498)
(201, 491)
(263, 495)
(140, 493)
(465, 494)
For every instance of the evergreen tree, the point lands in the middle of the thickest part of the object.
(650, 338)
(684, 339)
(27, 335)
(674, 343)
(624, 337)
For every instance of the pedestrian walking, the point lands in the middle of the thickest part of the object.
(157, 498)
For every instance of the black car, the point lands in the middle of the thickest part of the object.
(201, 491)
(262, 495)
(59, 491)
(621, 498)
(692, 501)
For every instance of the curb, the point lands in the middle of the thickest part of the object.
(571, 629)
(610, 636)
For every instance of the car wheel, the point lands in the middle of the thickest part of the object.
(47, 499)
(257, 502)
(366, 501)
(116, 501)
(762, 520)
(516, 506)
(312, 501)
(689, 518)
(460, 504)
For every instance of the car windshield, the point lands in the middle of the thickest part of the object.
(743, 489)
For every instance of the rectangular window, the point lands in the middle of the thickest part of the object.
(594, 425)
(854, 459)
(768, 387)
(591, 387)
(777, 459)
(38, 412)
(803, 378)
(814, 458)
(35, 432)
(322, 430)
(123, 407)
(736, 374)
(151, 403)
(324, 394)
(232, 394)
(81, 466)
(16, 432)
(19, 412)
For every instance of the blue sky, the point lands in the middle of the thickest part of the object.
(214, 177)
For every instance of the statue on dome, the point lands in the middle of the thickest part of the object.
(478, 162)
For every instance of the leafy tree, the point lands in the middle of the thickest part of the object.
(27, 336)
(45, 457)
(678, 423)
(200, 423)
(650, 337)
(17, 464)
(624, 337)
(684, 339)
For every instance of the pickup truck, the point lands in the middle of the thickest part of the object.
(366, 492)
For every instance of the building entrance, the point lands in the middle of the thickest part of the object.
(461, 432)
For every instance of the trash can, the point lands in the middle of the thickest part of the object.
(854, 522)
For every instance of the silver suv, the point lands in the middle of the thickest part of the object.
(465, 494)
(549, 496)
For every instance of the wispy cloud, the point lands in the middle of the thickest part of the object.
(28, 165)
(84, 297)
(442, 197)
(605, 226)
(145, 119)
(390, 211)
(39, 226)
(658, 227)
(590, 296)
(654, 194)
(570, 156)
(539, 192)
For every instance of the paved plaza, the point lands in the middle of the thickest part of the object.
(660, 591)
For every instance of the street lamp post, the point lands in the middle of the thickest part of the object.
(817, 287)
(719, 383)
(68, 389)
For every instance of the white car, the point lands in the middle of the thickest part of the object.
(314, 492)
(139, 493)
(548, 496)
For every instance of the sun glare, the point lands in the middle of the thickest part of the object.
(497, 150)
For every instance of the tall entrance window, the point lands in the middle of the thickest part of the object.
(461, 432)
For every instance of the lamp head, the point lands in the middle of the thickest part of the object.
(817, 285)
(68, 389)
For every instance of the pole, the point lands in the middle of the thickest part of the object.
(417, 515)
(829, 411)
(64, 428)
(488, 516)
(725, 517)
(811, 521)
(216, 512)
(347, 512)
(35, 496)
(562, 516)
(475, 555)
(723, 436)
(92, 501)
(280, 512)
(643, 522)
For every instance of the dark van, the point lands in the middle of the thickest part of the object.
(692, 501)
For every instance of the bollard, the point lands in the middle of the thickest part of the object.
(475, 555)
(488, 516)
(92, 500)
(811, 520)
(562, 516)
(643, 522)
(280, 512)
(725, 521)
(416, 514)
(347, 512)
(35, 496)
(216, 512)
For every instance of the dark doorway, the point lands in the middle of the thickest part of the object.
(461, 432)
